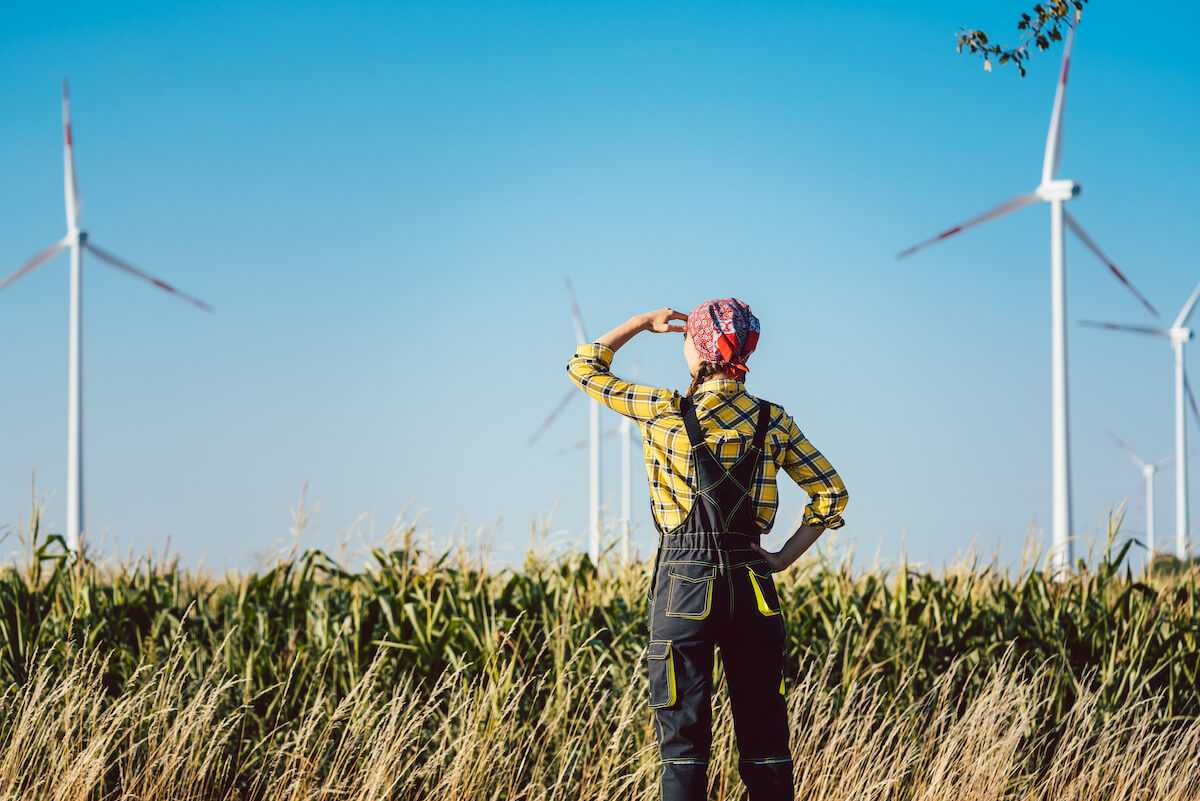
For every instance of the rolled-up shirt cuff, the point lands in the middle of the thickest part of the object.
(594, 350)
(823, 521)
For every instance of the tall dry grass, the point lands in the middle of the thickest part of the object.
(420, 675)
(62, 736)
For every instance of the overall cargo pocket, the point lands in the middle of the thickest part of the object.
(691, 591)
(763, 582)
(662, 674)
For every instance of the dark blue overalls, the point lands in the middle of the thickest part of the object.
(710, 588)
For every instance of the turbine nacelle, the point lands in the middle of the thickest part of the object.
(1060, 189)
(77, 241)
(1179, 335)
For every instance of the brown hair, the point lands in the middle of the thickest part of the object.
(707, 370)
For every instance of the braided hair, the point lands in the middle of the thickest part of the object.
(707, 370)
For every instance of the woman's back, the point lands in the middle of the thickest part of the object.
(727, 414)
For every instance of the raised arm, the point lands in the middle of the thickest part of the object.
(657, 321)
(589, 367)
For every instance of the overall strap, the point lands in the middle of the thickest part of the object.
(764, 422)
(688, 410)
(696, 436)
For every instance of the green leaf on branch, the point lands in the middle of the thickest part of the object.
(1045, 26)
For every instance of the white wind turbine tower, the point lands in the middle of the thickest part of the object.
(625, 431)
(77, 241)
(593, 448)
(593, 444)
(593, 440)
(1055, 192)
(1178, 335)
(1148, 470)
(626, 521)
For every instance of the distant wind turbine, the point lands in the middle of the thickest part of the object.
(1178, 335)
(593, 439)
(77, 241)
(1148, 470)
(625, 430)
(594, 446)
(1055, 192)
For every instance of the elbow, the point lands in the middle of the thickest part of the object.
(840, 501)
(837, 494)
(826, 512)
(577, 372)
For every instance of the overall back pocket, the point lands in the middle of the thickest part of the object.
(763, 582)
(690, 594)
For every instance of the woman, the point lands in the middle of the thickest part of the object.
(711, 457)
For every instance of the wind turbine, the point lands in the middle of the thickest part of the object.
(1178, 335)
(593, 440)
(593, 443)
(1148, 470)
(593, 449)
(1055, 192)
(77, 241)
(625, 431)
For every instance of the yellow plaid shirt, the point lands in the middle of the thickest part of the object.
(727, 414)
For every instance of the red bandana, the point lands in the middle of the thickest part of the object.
(725, 333)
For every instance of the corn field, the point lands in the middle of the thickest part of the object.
(419, 675)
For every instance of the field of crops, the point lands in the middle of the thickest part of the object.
(429, 676)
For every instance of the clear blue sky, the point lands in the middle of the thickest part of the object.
(382, 199)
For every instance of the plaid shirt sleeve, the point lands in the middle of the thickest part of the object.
(588, 368)
(816, 476)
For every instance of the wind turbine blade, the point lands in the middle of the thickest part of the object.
(1054, 135)
(583, 443)
(104, 255)
(1074, 225)
(1128, 451)
(1160, 465)
(70, 183)
(550, 419)
(1007, 207)
(1191, 397)
(1188, 308)
(1137, 329)
(579, 334)
(36, 261)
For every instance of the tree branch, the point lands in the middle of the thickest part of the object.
(1041, 27)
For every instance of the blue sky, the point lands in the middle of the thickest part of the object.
(382, 200)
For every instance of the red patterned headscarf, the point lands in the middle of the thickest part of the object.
(725, 333)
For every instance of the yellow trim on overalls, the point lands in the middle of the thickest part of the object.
(671, 675)
(669, 656)
(758, 595)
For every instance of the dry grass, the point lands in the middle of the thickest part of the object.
(63, 737)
